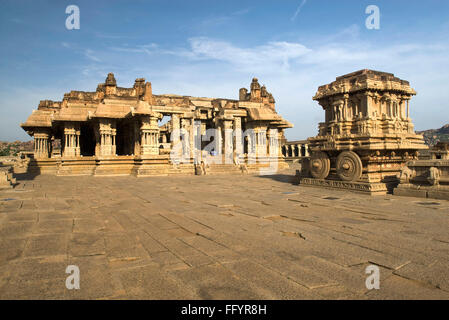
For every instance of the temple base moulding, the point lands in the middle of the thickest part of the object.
(370, 188)
(432, 192)
(141, 166)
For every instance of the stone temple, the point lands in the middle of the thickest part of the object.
(116, 130)
(367, 136)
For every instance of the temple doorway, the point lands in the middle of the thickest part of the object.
(125, 138)
(87, 140)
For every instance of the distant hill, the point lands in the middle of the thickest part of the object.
(432, 136)
(12, 148)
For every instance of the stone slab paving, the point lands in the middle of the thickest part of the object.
(217, 237)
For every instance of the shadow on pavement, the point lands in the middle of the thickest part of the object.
(286, 178)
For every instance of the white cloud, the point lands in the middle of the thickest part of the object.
(90, 55)
(292, 71)
(113, 36)
(273, 55)
(147, 48)
(270, 55)
(241, 12)
(215, 21)
(298, 10)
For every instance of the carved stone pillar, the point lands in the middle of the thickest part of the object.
(175, 135)
(345, 112)
(106, 137)
(149, 135)
(394, 108)
(219, 137)
(238, 135)
(306, 150)
(389, 108)
(402, 114)
(41, 145)
(187, 135)
(192, 134)
(72, 133)
(251, 140)
(279, 138)
(273, 143)
(228, 145)
(261, 142)
(370, 105)
(197, 135)
(407, 104)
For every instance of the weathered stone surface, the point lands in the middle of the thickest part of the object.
(7, 180)
(217, 237)
(409, 192)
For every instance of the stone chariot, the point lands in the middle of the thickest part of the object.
(367, 136)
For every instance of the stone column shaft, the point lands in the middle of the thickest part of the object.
(191, 130)
(41, 145)
(149, 132)
(273, 143)
(261, 142)
(176, 129)
(238, 135)
(228, 143)
(107, 133)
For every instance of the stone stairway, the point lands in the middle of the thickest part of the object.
(223, 169)
(7, 179)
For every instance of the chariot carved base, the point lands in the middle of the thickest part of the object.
(358, 170)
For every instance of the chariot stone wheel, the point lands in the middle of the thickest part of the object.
(349, 166)
(320, 165)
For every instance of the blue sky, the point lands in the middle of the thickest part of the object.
(213, 48)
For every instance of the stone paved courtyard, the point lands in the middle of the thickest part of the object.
(217, 237)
